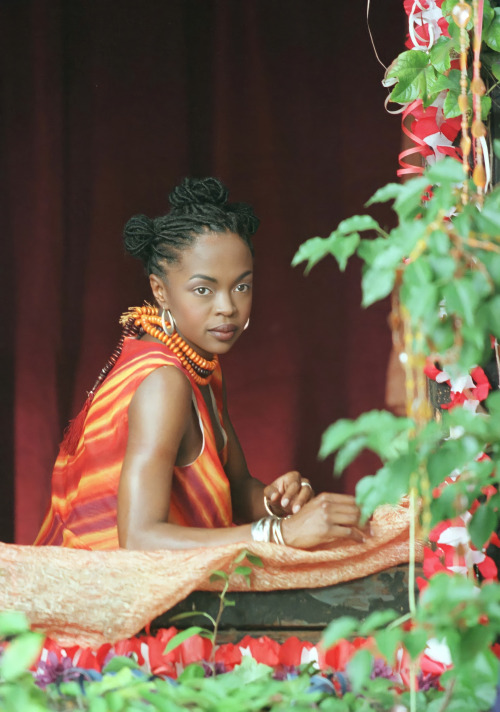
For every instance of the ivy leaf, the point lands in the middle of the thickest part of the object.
(387, 641)
(377, 619)
(387, 192)
(450, 107)
(491, 312)
(337, 629)
(415, 642)
(385, 487)
(359, 669)
(241, 556)
(335, 436)
(488, 220)
(118, 662)
(191, 614)
(409, 70)
(482, 524)
(217, 575)
(462, 299)
(485, 107)
(495, 69)
(12, 623)
(20, 655)
(339, 245)
(376, 284)
(243, 571)
(311, 251)
(255, 560)
(358, 223)
(447, 170)
(440, 54)
(184, 635)
(343, 247)
(408, 202)
(349, 452)
(491, 36)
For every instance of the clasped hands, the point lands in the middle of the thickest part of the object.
(312, 520)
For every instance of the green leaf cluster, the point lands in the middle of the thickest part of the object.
(418, 74)
(445, 255)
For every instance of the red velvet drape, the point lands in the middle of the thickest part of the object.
(106, 104)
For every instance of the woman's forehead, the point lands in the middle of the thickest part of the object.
(215, 251)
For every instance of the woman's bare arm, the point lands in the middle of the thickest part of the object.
(158, 419)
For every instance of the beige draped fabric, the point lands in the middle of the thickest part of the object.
(92, 597)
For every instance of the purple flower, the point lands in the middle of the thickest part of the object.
(381, 669)
(427, 681)
(53, 670)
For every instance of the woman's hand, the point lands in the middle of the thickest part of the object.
(326, 517)
(289, 493)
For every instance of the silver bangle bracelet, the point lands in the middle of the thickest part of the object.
(268, 529)
(277, 531)
(261, 529)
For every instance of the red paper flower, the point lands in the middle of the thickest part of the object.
(262, 649)
(229, 655)
(339, 655)
(291, 651)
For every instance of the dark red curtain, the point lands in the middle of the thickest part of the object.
(106, 104)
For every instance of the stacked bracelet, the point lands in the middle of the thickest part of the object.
(268, 529)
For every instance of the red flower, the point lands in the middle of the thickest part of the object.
(195, 649)
(291, 651)
(130, 646)
(339, 655)
(483, 386)
(228, 654)
(488, 569)
(162, 663)
(262, 649)
(431, 370)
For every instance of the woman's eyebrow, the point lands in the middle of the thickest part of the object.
(203, 276)
(245, 274)
(212, 279)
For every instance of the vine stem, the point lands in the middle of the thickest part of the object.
(222, 605)
(411, 594)
(411, 571)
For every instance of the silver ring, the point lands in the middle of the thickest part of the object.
(306, 484)
(268, 507)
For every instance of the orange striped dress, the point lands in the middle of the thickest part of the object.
(83, 508)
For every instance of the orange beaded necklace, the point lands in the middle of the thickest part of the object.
(148, 319)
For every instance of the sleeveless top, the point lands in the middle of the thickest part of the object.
(83, 508)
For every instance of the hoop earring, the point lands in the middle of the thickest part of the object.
(247, 324)
(170, 320)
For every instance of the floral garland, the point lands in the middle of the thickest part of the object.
(453, 551)
(432, 133)
(58, 664)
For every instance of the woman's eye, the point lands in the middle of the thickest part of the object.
(202, 291)
(242, 288)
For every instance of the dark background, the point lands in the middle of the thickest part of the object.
(106, 104)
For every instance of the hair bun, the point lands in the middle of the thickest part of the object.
(198, 191)
(138, 236)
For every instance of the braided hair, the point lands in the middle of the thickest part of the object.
(198, 205)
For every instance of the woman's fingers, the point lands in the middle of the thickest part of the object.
(304, 494)
(326, 517)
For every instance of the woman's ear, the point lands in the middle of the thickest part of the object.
(158, 289)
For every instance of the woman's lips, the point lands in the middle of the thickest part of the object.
(224, 332)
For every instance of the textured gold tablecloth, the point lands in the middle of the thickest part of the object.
(92, 597)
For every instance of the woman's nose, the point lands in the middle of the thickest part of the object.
(225, 305)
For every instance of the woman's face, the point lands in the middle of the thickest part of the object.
(209, 291)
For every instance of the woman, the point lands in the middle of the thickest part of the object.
(153, 461)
